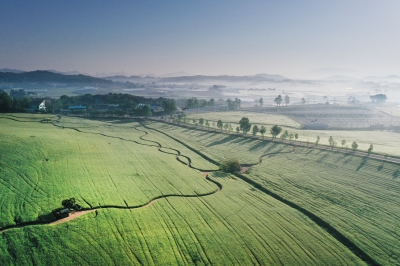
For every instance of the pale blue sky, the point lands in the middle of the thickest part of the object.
(201, 37)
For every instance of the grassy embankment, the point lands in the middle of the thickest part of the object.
(108, 163)
(358, 196)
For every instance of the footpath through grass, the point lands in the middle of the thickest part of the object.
(112, 163)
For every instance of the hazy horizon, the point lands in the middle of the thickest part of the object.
(288, 38)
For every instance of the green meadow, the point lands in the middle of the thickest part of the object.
(385, 142)
(120, 163)
(358, 196)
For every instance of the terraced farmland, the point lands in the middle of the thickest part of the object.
(112, 165)
(359, 197)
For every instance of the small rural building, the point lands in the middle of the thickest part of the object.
(64, 111)
(61, 213)
(377, 126)
(315, 126)
(77, 108)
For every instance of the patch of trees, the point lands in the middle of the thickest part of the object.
(196, 103)
(8, 104)
(233, 104)
(231, 165)
(378, 98)
(71, 204)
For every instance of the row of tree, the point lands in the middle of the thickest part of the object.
(245, 127)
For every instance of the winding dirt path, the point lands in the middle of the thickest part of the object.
(75, 214)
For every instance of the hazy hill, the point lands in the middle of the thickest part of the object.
(339, 78)
(11, 70)
(386, 78)
(205, 79)
(47, 76)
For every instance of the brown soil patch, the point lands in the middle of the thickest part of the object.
(243, 169)
(72, 216)
(205, 174)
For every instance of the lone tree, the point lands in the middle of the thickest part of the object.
(303, 101)
(278, 100)
(285, 135)
(230, 128)
(275, 131)
(201, 122)
(263, 130)
(226, 125)
(287, 100)
(237, 129)
(255, 130)
(208, 125)
(296, 136)
(317, 141)
(220, 124)
(370, 149)
(379, 98)
(343, 142)
(245, 125)
(354, 145)
(231, 165)
(261, 102)
(291, 136)
(331, 142)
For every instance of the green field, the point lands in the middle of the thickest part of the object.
(256, 118)
(395, 111)
(116, 163)
(384, 142)
(358, 196)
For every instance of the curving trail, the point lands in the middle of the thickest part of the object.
(76, 214)
(319, 221)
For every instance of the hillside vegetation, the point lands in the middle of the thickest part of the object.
(112, 164)
(358, 196)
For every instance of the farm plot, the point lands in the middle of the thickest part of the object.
(43, 164)
(360, 197)
(40, 162)
(256, 118)
(384, 142)
(238, 226)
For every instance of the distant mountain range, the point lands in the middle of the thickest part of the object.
(388, 78)
(199, 78)
(48, 76)
(340, 78)
(4, 70)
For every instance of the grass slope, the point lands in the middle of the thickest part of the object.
(360, 197)
(238, 225)
(384, 142)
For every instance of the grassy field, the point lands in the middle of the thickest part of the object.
(360, 197)
(395, 111)
(384, 142)
(115, 163)
(256, 118)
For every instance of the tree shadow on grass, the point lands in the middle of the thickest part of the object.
(261, 144)
(362, 164)
(396, 174)
(223, 141)
(380, 167)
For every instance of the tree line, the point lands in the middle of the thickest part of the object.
(245, 127)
